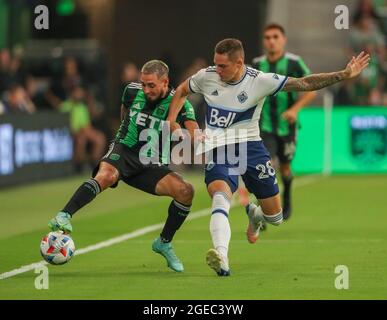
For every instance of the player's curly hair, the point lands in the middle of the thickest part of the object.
(155, 66)
(232, 47)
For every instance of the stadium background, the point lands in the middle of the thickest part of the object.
(93, 48)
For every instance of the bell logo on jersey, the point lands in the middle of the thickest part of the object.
(221, 119)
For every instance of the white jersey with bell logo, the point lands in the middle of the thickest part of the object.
(233, 109)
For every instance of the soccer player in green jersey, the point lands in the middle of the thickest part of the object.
(144, 107)
(278, 123)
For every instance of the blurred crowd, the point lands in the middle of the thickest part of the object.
(73, 91)
(368, 32)
(22, 92)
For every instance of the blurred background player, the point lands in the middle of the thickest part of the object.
(278, 122)
(144, 106)
(16, 101)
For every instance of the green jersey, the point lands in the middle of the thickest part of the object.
(289, 65)
(143, 124)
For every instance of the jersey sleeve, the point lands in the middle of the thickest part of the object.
(302, 69)
(186, 113)
(196, 82)
(270, 83)
(130, 93)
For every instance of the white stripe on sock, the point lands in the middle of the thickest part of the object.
(275, 219)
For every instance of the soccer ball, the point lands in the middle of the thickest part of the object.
(57, 248)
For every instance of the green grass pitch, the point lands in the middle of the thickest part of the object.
(340, 220)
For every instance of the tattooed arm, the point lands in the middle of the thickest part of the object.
(322, 80)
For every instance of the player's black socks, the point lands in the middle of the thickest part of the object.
(177, 212)
(85, 194)
(287, 181)
(287, 203)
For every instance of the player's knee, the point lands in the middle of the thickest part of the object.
(106, 178)
(186, 192)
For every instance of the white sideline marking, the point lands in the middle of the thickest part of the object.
(281, 241)
(134, 234)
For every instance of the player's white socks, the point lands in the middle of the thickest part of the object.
(257, 214)
(219, 224)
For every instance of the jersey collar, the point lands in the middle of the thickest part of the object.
(274, 62)
(237, 82)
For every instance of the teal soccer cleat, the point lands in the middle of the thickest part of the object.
(61, 222)
(166, 250)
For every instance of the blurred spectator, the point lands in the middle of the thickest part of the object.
(195, 66)
(197, 100)
(36, 88)
(64, 85)
(16, 71)
(16, 100)
(370, 8)
(365, 35)
(129, 73)
(83, 132)
(169, 58)
(5, 77)
(10, 70)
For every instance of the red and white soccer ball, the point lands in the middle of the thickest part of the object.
(57, 248)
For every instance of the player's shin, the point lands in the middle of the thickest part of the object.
(84, 194)
(177, 213)
(256, 214)
(219, 224)
(287, 181)
(274, 219)
(287, 203)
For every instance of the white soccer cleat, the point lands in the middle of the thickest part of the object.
(218, 263)
(254, 226)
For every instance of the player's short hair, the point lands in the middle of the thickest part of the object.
(158, 67)
(232, 47)
(274, 25)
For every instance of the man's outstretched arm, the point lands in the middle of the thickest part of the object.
(322, 80)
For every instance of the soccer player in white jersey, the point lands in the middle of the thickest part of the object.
(234, 94)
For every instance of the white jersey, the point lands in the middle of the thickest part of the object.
(234, 109)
